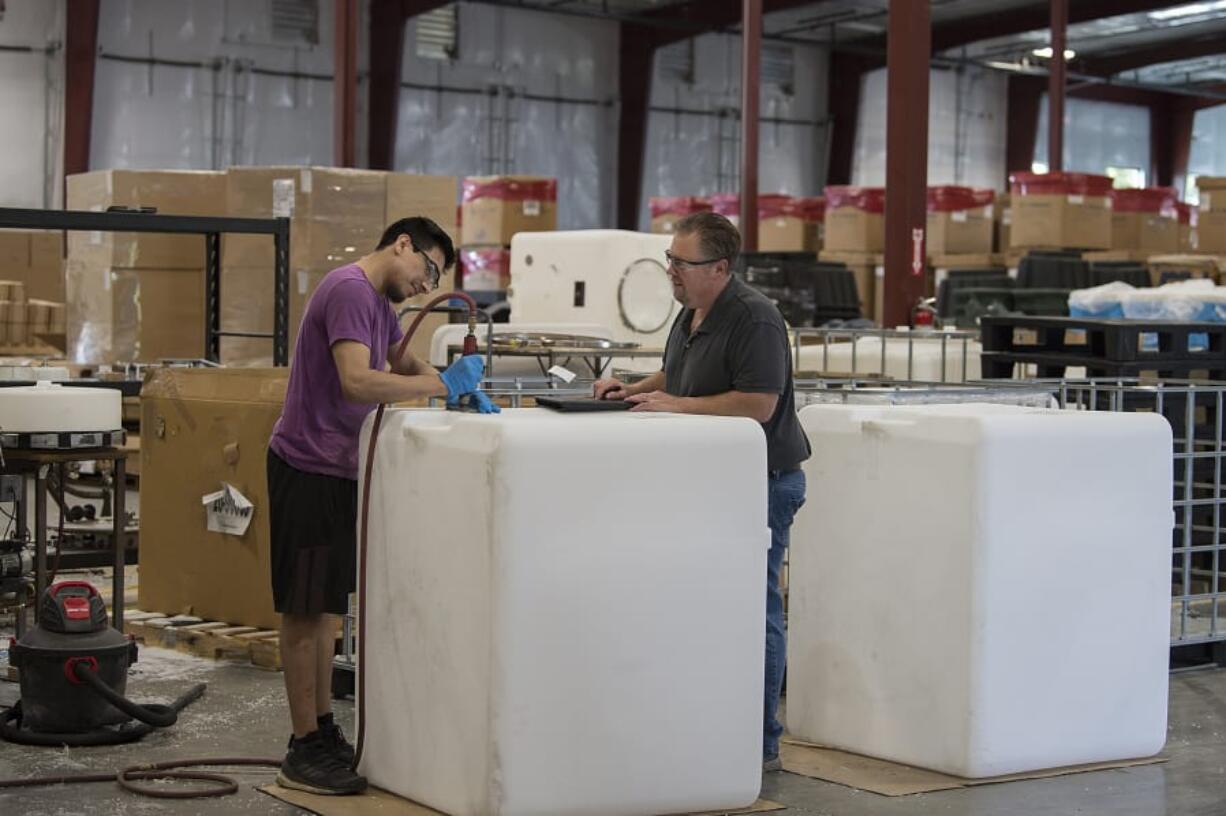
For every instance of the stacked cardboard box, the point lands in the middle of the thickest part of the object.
(1187, 226)
(493, 210)
(14, 327)
(667, 211)
(45, 319)
(138, 296)
(855, 219)
(1145, 220)
(36, 258)
(960, 221)
(787, 224)
(220, 420)
(337, 215)
(1211, 220)
(1002, 215)
(1060, 211)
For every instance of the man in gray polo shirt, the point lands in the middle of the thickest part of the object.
(728, 354)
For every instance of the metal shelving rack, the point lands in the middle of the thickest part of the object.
(211, 228)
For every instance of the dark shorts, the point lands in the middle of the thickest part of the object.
(312, 519)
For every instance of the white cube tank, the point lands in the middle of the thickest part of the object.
(614, 278)
(982, 589)
(565, 612)
(924, 358)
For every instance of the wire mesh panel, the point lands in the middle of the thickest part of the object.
(892, 354)
(1195, 411)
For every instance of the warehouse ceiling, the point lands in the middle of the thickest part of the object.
(1166, 42)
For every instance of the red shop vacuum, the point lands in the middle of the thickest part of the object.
(73, 670)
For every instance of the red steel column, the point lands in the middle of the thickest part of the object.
(345, 84)
(751, 81)
(909, 47)
(1055, 86)
(80, 51)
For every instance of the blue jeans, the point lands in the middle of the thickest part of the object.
(785, 495)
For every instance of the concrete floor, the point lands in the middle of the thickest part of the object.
(243, 714)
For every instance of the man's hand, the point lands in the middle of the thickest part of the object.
(660, 401)
(610, 389)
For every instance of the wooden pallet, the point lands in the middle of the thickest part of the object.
(210, 639)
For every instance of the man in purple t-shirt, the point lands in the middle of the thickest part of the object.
(344, 365)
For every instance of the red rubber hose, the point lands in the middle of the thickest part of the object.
(364, 510)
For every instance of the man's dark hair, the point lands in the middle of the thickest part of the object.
(717, 236)
(425, 235)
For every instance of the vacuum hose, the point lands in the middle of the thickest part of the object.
(470, 347)
(151, 716)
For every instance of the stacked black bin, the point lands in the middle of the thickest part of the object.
(807, 292)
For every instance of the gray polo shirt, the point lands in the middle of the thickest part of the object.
(741, 345)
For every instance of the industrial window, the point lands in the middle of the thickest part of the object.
(437, 34)
(295, 22)
(677, 62)
(779, 67)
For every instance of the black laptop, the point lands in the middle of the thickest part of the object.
(577, 405)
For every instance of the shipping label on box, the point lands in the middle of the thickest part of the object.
(227, 511)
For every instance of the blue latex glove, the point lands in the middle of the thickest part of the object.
(463, 376)
(482, 403)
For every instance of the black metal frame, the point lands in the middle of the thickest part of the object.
(211, 228)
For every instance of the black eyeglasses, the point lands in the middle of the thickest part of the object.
(432, 269)
(681, 264)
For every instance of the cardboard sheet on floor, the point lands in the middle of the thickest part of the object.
(891, 779)
(381, 803)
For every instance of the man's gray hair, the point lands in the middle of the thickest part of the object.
(718, 237)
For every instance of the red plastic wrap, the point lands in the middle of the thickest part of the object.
(777, 205)
(726, 204)
(869, 199)
(485, 268)
(508, 188)
(812, 209)
(1186, 213)
(1156, 200)
(955, 199)
(1059, 184)
(677, 205)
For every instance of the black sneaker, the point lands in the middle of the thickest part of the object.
(310, 765)
(334, 738)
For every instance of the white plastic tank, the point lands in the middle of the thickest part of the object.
(918, 358)
(982, 589)
(613, 278)
(48, 407)
(565, 612)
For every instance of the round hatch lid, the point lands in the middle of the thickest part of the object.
(645, 297)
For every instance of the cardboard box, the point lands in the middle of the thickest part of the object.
(497, 207)
(14, 250)
(124, 314)
(787, 224)
(1187, 226)
(172, 192)
(35, 259)
(1212, 191)
(431, 196)
(1145, 220)
(1060, 211)
(666, 211)
(219, 420)
(1198, 266)
(960, 221)
(869, 272)
(1211, 231)
(855, 219)
(1002, 215)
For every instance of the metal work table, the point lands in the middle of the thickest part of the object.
(25, 462)
(547, 356)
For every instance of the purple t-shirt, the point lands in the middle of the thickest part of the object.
(318, 429)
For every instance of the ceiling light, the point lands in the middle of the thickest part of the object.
(1045, 53)
(1188, 10)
